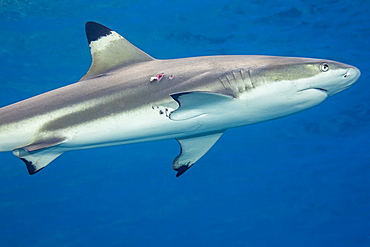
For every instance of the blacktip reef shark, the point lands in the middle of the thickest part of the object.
(128, 96)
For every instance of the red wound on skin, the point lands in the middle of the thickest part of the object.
(159, 76)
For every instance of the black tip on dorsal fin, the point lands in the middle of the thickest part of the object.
(94, 31)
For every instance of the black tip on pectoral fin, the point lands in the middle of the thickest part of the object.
(182, 169)
(32, 169)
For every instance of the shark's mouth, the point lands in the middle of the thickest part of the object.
(316, 88)
(321, 89)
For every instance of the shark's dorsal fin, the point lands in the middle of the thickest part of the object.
(110, 50)
(192, 149)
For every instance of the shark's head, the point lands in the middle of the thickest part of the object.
(330, 77)
(281, 86)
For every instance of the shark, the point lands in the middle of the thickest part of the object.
(127, 97)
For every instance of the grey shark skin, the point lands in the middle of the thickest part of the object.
(128, 97)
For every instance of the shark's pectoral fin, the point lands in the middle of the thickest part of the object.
(192, 149)
(39, 154)
(194, 104)
(109, 50)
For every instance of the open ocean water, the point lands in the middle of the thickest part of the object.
(301, 181)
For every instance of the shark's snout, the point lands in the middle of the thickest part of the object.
(352, 74)
(343, 81)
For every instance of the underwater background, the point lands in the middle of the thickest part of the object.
(302, 180)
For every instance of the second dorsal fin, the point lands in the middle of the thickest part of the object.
(110, 50)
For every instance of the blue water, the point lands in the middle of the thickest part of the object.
(302, 181)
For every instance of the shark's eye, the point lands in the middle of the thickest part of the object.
(324, 67)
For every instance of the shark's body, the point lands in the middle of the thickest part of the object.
(128, 97)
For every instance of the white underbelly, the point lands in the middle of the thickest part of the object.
(141, 125)
(147, 124)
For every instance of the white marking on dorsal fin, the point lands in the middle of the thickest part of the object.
(109, 50)
(192, 149)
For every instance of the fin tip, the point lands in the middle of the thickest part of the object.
(30, 167)
(182, 169)
(94, 31)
